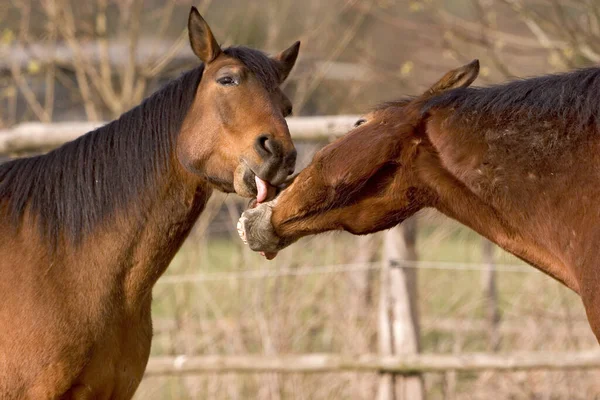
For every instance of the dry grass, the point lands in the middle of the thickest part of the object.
(320, 312)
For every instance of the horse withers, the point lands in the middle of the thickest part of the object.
(518, 162)
(88, 228)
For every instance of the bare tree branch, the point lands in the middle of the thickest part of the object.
(67, 29)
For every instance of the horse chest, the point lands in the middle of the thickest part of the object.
(119, 357)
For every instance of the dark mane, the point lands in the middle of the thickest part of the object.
(527, 124)
(572, 98)
(394, 104)
(75, 187)
(82, 182)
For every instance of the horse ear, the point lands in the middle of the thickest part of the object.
(457, 78)
(203, 42)
(287, 59)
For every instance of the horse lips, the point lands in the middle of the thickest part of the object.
(264, 192)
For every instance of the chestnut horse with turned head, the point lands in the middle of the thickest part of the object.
(88, 228)
(519, 163)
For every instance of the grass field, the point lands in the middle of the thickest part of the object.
(325, 312)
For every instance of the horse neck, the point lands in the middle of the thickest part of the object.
(132, 252)
(169, 223)
(455, 197)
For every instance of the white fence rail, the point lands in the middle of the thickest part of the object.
(35, 136)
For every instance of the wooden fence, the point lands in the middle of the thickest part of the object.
(35, 137)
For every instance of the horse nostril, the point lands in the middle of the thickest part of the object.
(290, 160)
(264, 146)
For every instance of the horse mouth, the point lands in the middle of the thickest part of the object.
(269, 255)
(262, 189)
(249, 184)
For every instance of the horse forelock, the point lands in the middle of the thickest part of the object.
(259, 63)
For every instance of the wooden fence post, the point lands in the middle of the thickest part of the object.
(361, 280)
(398, 311)
(490, 293)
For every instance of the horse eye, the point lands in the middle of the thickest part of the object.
(227, 81)
(360, 122)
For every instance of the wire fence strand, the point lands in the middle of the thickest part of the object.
(337, 268)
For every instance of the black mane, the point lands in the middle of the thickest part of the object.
(75, 187)
(533, 125)
(571, 98)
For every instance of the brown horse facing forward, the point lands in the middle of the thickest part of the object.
(88, 228)
(519, 163)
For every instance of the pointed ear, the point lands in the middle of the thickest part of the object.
(203, 42)
(287, 59)
(460, 77)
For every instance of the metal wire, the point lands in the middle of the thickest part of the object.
(338, 268)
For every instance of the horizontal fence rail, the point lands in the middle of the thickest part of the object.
(36, 136)
(406, 365)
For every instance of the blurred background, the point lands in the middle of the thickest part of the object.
(69, 60)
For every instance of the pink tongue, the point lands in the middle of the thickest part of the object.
(262, 188)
